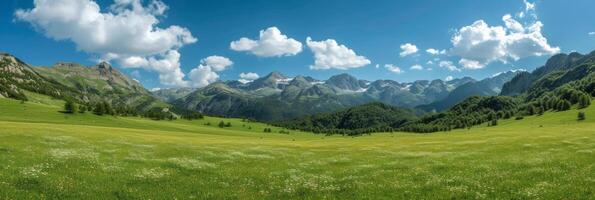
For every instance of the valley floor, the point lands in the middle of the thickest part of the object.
(47, 154)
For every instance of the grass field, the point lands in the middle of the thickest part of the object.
(47, 154)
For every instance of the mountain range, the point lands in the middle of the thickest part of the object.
(276, 96)
(564, 82)
(269, 98)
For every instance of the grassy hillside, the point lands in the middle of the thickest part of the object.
(46, 154)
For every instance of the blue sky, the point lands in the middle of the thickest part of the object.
(374, 31)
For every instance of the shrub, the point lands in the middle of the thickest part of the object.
(581, 116)
(70, 107)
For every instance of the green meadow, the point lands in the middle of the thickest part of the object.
(45, 154)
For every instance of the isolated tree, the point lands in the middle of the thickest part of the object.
(581, 116)
(108, 108)
(584, 101)
(82, 108)
(540, 110)
(221, 124)
(99, 109)
(228, 124)
(563, 105)
(70, 107)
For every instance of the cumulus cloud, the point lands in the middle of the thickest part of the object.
(416, 67)
(448, 78)
(480, 44)
(393, 68)
(435, 51)
(217, 63)
(328, 54)
(127, 31)
(202, 76)
(271, 43)
(448, 65)
(248, 77)
(167, 65)
(408, 49)
(206, 72)
(592, 33)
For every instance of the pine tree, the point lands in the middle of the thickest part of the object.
(584, 101)
(82, 108)
(494, 122)
(99, 109)
(581, 116)
(108, 108)
(70, 107)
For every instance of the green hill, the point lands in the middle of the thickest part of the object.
(366, 118)
(84, 85)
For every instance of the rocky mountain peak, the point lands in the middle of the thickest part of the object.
(344, 81)
(275, 75)
(104, 65)
(300, 81)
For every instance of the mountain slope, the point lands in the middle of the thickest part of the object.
(487, 87)
(565, 82)
(523, 81)
(16, 76)
(171, 94)
(85, 85)
(353, 121)
(102, 82)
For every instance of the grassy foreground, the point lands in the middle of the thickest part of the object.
(46, 154)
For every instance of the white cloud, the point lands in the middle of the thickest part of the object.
(202, 76)
(206, 72)
(408, 49)
(529, 9)
(155, 89)
(271, 43)
(127, 31)
(248, 77)
(448, 65)
(592, 33)
(435, 51)
(416, 67)
(330, 55)
(430, 62)
(448, 78)
(377, 66)
(393, 68)
(470, 64)
(217, 63)
(480, 44)
(167, 65)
